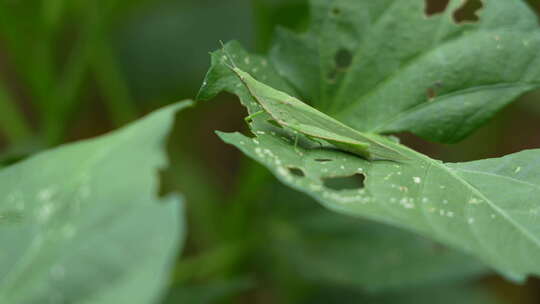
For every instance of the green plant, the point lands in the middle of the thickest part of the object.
(84, 223)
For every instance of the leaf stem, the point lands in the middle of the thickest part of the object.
(69, 84)
(12, 121)
(241, 219)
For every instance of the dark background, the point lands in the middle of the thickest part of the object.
(72, 70)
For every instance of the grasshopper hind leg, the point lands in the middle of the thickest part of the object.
(318, 141)
(249, 119)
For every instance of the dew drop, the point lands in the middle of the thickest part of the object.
(474, 201)
(45, 194)
(45, 212)
(282, 171)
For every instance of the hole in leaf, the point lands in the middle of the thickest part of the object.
(296, 171)
(323, 160)
(436, 6)
(338, 183)
(467, 12)
(332, 75)
(431, 94)
(336, 11)
(343, 59)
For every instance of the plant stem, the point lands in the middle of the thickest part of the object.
(112, 84)
(72, 78)
(211, 263)
(242, 217)
(53, 11)
(251, 180)
(12, 121)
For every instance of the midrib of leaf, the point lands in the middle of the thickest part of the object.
(466, 211)
(480, 194)
(427, 217)
(441, 98)
(501, 176)
(442, 235)
(342, 112)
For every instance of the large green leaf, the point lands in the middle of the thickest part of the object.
(452, 203)
(83, 223)
(323, 246)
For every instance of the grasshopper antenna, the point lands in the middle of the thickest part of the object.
(231, 65)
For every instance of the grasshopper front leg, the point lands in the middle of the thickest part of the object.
(249, 119)
(296, 136)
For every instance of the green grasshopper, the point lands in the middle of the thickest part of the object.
(294, 114)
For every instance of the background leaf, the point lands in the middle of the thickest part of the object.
(208, 293)
(444, 294)
(325, 247)
(385, 66)
(84, 223)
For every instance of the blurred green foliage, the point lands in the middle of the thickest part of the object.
(74, 69)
